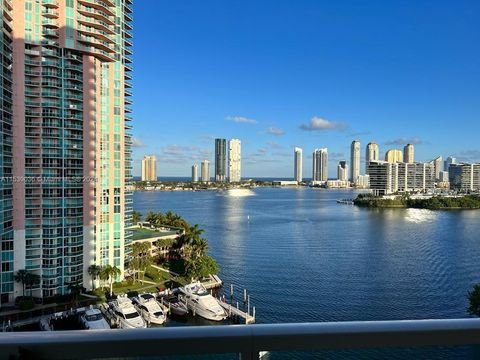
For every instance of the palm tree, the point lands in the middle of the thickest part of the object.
(31, 279)
(94, 271)
(20, 277)
(75, 290)
(136, 217)
(201, 247)
(109, 273)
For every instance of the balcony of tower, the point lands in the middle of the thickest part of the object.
(50, 13)
(50, 3)
(97, 43)
(105, 6)
(89, 21)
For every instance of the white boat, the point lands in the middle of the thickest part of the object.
(92, 319)
(201, 303)
(127, 316)
(150, 308)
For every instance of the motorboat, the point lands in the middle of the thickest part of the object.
(201, 303)
(127, 316)
(151, 310)
(92, 319)
(175, 305)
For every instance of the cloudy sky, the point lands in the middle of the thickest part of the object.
(278, 74)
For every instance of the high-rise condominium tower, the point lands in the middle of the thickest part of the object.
(409, 154)
(342, 170)
(194, 173)
(149, 168)
(438, 167)
(65, 111)
(354, 161)
(297, 166)
(450, 160)
(220, 159)
(234, 160)
(393, 156)
(372, 154)
(205, 171)
(320, 165)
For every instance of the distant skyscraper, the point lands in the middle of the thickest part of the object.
(372, 154)
(450, 160)
(393, 156)
(342, 170)
(354, 161)
(205, 171)
(149, 168)
(234, 160)
(194, 173)
(320, 165)
(438, 166)
(298, 164)
(409, 154)
(220, 159)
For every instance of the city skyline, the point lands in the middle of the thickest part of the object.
(393, 90)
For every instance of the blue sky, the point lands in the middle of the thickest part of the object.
(278, 74)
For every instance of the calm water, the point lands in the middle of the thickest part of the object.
(304, 257)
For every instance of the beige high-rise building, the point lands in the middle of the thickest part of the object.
(66, 71)
(234, 160)
(149, 168)
(393, 156)
(298, 165)
(342, 170)
(372, 154)
(409, 154)
(205, 170)
(354, 161)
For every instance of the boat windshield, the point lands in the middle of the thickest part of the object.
(158, 313)
(147, 296)
(131, 315)
(202, 292)
(93, 317)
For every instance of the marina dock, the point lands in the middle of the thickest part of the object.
(213, 282)
(235, 312)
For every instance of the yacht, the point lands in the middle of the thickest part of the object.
(150, 308)
(201, 303)
(128, 317)
(92, 319)
(176, 306)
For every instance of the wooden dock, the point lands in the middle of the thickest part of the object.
(212, 282)
(234, 312)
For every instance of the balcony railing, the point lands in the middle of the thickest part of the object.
(247, 340)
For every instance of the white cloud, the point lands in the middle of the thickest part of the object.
(136, 142)
(321, 124)
(241, 119)
(275, 131)
(404, 141)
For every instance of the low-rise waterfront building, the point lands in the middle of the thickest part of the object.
(363, 182)
(337, 184)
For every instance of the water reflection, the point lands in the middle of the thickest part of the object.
(420, 216)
